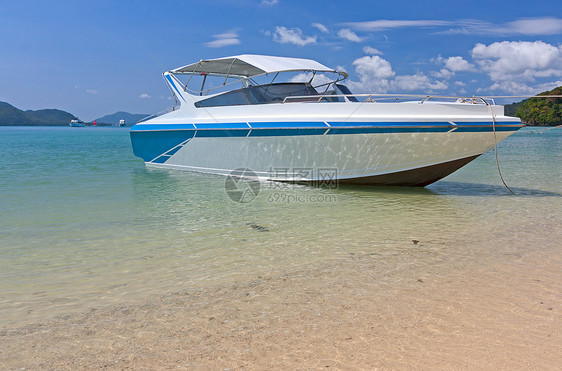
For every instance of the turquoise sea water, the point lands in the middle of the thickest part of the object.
(84, 224)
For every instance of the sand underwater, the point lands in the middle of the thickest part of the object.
(132, 268)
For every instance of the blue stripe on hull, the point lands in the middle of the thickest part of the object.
(286, 132)
(150, 144)
(302, 128)
(486, 129)
(222, 133)
(163, 127)
(234, 125)
(371, 130)
(290, 124)
(388, 124)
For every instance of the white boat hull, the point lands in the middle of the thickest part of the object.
(353, 158)
(380, 158)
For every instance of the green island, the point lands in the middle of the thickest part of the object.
(538, 111)
(12, 116)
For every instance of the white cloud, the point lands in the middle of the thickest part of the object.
(224, 39)
(519, 60)
(512, 87)
(376, 75)
(91, 91)
(269, 2)
(548, 86)
(346, 33)
(524, 26)
(521, 88)
(457, 64)
(371, 51)
(374, 66)
(457, 31)
(295, 36)
(341, 68)
(321, 27)
(368, 86)
(514, 67)
(318, 79)
(419, 81)
(536, 26)
(383, 24)
(443, 74)
(222, 43)
(144, 96)
(452, 65)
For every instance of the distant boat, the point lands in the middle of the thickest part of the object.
(121, 122)
(77, 123)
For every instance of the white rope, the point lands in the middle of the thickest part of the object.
(496, 147)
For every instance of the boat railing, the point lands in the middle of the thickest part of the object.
(395, 98)
(366, 98)
(167, 110)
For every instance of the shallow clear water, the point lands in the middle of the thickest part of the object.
(84, 224)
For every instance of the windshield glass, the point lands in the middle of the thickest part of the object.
(262, 94)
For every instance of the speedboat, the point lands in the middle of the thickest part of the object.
(294, 120)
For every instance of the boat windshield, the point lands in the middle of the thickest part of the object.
(261, 94)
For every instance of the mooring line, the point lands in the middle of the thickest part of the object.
(496, 147)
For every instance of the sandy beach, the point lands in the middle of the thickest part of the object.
(361, 311)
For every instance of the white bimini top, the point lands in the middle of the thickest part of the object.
(248, 65)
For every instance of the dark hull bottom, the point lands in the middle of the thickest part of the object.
(412, 178)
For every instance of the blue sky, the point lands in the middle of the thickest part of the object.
(93, 58)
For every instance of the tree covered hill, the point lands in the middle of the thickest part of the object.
(538, 111)
(12, 116)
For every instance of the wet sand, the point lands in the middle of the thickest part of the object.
(359, 311)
